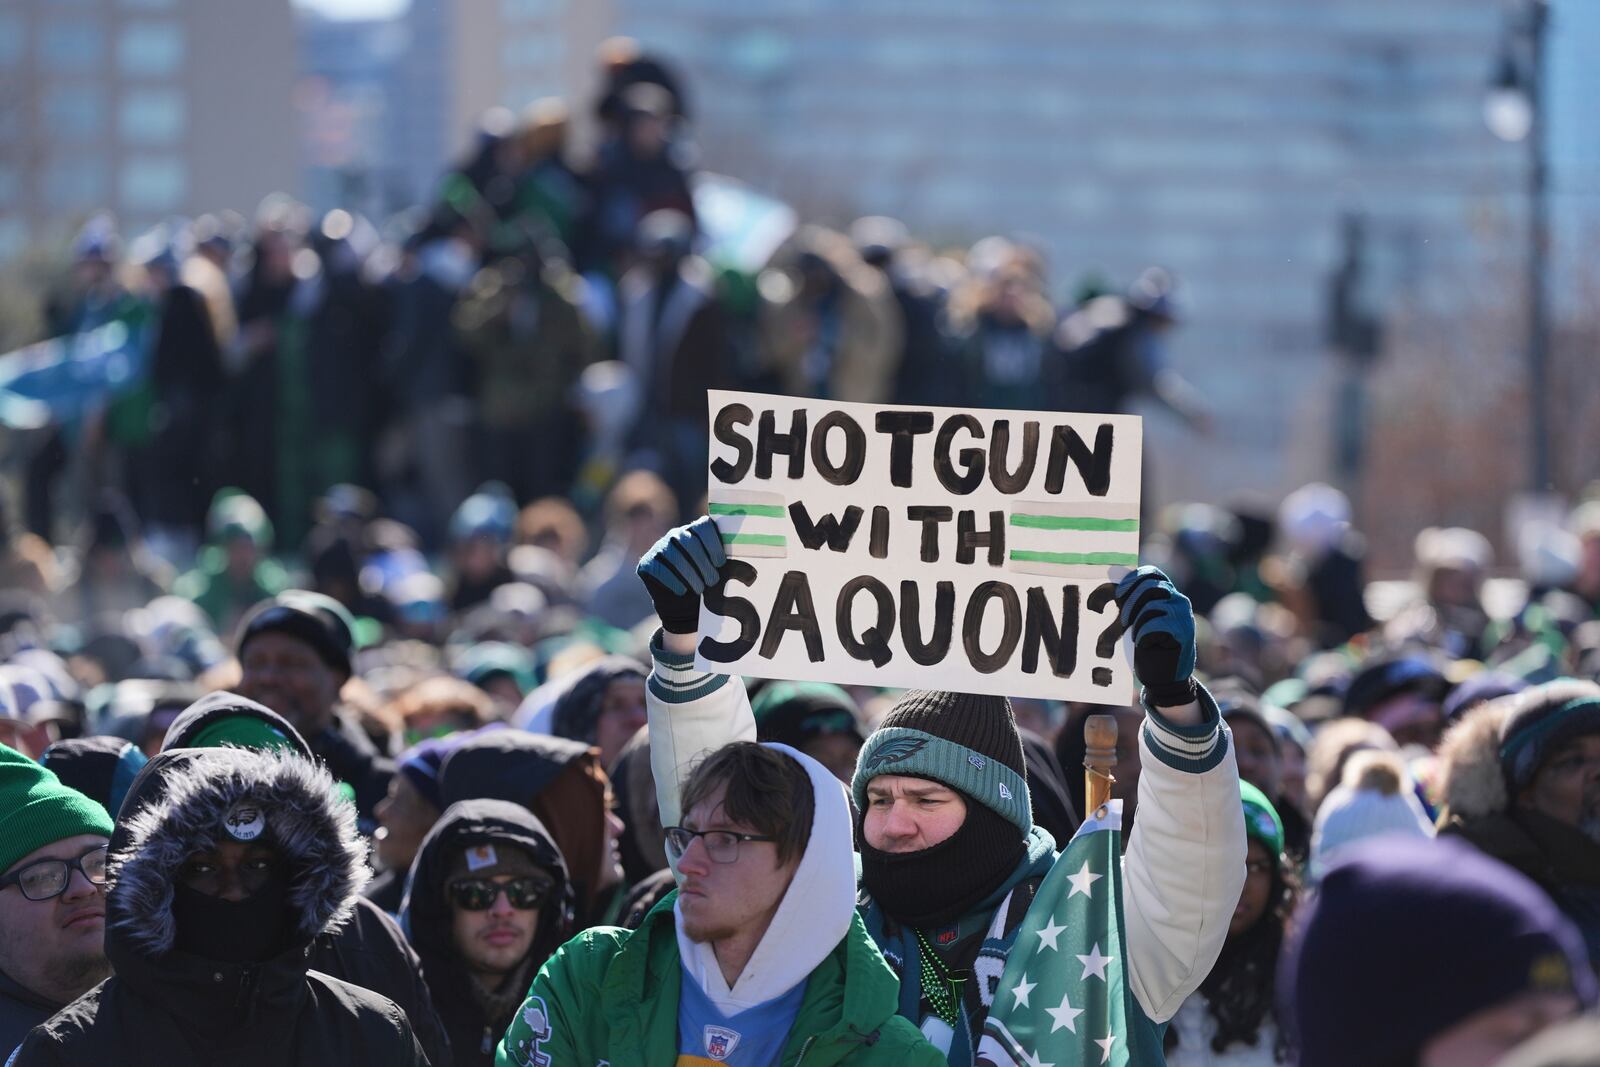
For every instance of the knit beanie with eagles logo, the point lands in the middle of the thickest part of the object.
(969, 743)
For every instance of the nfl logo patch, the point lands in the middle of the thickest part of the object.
(720, 1042)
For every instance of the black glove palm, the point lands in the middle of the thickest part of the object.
(1161, 621)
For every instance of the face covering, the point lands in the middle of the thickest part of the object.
(936, 886)
(252, 930)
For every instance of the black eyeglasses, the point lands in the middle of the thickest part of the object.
(48, 879)
(479, 894)
(721, 845)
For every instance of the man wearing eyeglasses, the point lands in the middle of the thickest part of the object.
(488, 901)
(52, 896)
(758, 957)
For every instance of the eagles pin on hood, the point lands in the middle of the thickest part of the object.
(188, 800)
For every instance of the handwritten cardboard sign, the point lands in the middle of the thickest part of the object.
(935, 548)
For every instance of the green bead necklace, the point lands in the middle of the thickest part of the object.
(944, 993)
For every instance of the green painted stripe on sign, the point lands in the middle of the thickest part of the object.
(775, 540)
(1090, 559)
(1075, 522)
(763, 511)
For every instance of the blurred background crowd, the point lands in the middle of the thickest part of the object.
(430, 445)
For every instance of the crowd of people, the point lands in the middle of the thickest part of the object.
(487, 823)
(546, 322)
(357, 721)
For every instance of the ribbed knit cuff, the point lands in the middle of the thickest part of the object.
(674, 679)
(1196, 748)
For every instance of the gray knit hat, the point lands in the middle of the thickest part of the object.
(966, 741)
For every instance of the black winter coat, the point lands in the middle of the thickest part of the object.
(20, 1011)
(369, 951)
(166, 1007)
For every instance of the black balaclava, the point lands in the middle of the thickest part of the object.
(962, 741)
(935, 886)
(252, 930)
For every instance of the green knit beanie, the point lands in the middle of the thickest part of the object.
(1261, 819)
(37, 810)
(966, 741)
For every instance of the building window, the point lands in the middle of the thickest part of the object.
(530, 9)
(530, 50)
(73, 112)
(13, 238)
(153, 183)
(71, 46)
(152, 116)
(74, 184)
(150, 49)
(13, 38)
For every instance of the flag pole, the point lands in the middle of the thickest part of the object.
(1099, 756)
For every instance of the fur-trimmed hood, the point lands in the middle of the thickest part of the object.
(178, 805)
(1472, 784)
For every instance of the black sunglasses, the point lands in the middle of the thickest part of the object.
(48, 879)
(479, 894)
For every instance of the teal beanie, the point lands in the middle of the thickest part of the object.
(966, 741)
(37, 810)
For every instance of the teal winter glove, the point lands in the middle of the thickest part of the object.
(1161, 621)
(680, 567)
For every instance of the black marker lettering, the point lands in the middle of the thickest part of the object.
(903, 426)
(971, 458)
(1000, 444)
(724, 428)
(721, 602)
(873, 644)
(927, 653)
(878, 546)
(1093, 467)
(1061, 643)
(972, 626)
(792, 609)
(791, 444)
(855, 449)
(968, 539)
(827, 530)
(930, 516)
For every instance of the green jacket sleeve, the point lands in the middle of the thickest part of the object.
(555, 1025)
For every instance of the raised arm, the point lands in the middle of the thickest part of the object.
(1184, 867)
(691, 712)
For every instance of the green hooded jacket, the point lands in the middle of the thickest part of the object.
(611, 996)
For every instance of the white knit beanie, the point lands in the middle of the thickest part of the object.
(1373, 797)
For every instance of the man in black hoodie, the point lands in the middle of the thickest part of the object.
(488, 901)
(369, 950)
(229, 865)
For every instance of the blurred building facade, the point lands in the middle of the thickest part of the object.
(508, 53)
(1224, 140)
(130, 105)
(353, 76)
